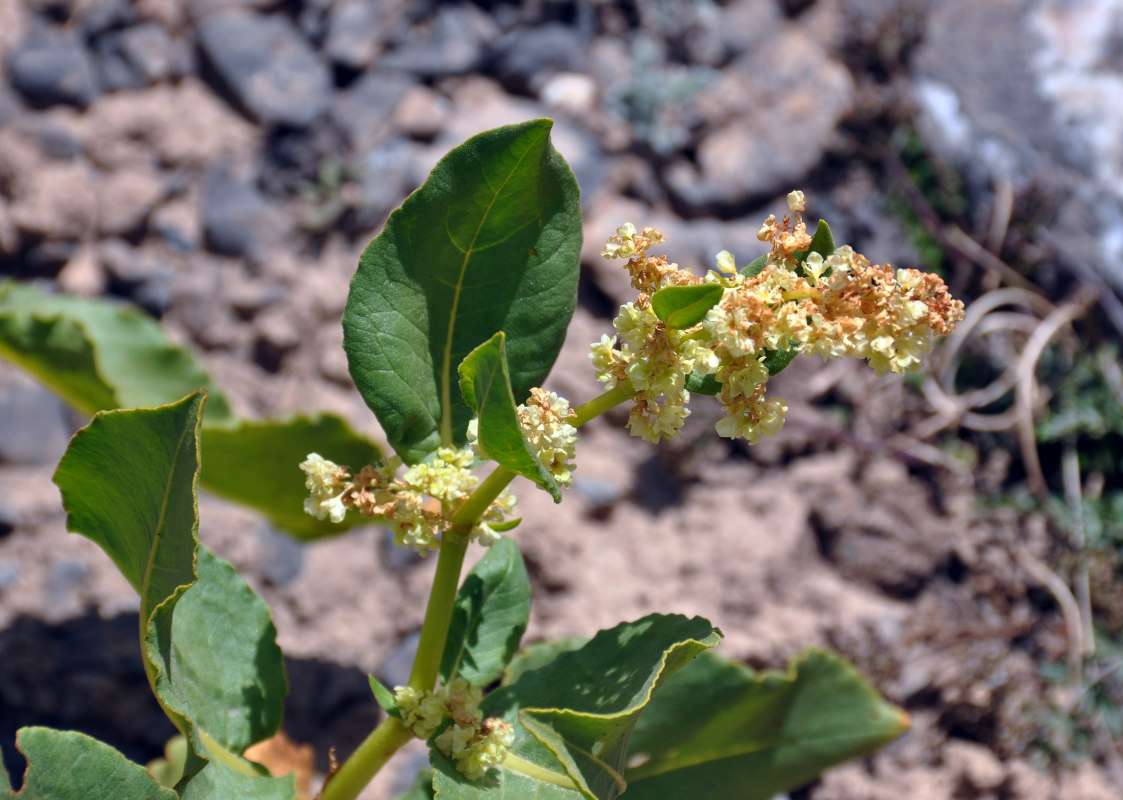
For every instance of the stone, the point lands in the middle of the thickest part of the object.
(363, 110)
(359, 29)
(766, 133)
(394, 671)
(53, 68)
(267, 66)
(280, 558)
(454, 44)
(525, 57)
(421, 112)
(126, 198)
(138, 56)
(137, 274)
(9, 573)
(237, 219)
(572, 92)
(35, 429)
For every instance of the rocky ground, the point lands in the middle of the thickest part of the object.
(221, 163)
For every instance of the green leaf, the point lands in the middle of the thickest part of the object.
(573, 717)
(168, 768)
(218, 656)
(702, 384)
(128, 483)
(537, 655)
(755, 267)
(685, 306)
(98, 355)
(486, 387)
(822, 242)
(95, 354)
(64, 765)
(777, 360)
(489, 618)
(749, 737)
(503, 784)
(256, 463)
(491, 242)
(384, 697)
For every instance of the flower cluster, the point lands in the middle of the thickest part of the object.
(545, 420)
(474, 743)
(416, 507)
(831, 305)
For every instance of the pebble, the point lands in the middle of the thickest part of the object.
(280, 558)
(35, 429)
(264, 62)
(526, 57)
(358, 30)
(9, 573)
(455, 44)
(51, 68)
(363, 110)
(237, 220)
(394, 671)
(138, 56)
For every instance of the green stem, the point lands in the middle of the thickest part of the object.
(438, 613)
(601, 403)
(364, 763)
(391, 734)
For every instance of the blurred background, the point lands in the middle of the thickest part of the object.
(957, 533)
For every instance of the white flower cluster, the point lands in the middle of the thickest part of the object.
(474, 743)
(833, 306)
(416, 507)
(545, 420)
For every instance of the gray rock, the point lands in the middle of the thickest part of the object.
(35, 429)
(1038, 107)
(280, 558)
(394, 671)
(359, 29)
(364, 109)
(137, 57)
(51, 68)
(237, 219)
(9, 574)
(526, 57)
(267, 66)
(765, 135)
(455, 44)
(139, 275)
(397, 558)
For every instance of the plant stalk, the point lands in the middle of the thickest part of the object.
(602, 403)
(358, 770)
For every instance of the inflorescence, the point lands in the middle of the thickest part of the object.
(832, 306)
(473, 742)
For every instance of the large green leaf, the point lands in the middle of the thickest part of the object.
(489, 618)
(490, 242)
(685, 306)
(96, 354)
(486, 386)
(749, 737)
(256, 463)
(128, 482)
(573, 718)
(63, 765)
(99, 355)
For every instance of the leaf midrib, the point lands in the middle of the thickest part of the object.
(446, 359)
